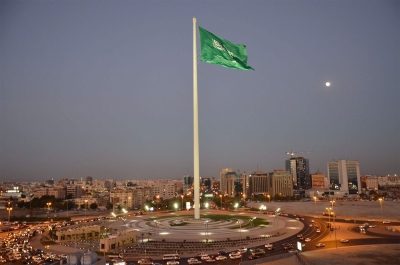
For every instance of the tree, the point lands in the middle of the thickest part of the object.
(93, 206)
(148, 236)
(142, 237)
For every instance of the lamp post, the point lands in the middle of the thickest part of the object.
(240, 229)
(48, 210)
(332, 202)
(315, 205)
(85, 208)
(9, 209)
(269, 198)
(158, 197)
(220, 197)
(329, 214)
(182, 203)
(206, 229)
(380, 202)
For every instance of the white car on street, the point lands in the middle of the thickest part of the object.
(220, 257)
(344, 240)
(193, 261)
(307, 239)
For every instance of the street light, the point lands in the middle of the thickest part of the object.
(9, 209)
(85, 208)
(332, 202)
(176, 206)
(48, 209)
(182, 203)
(240, 231)
(220, 196)
(236, 205)
(269, 198)
(380, 202)
(158, 197)
(206, 227)
(315, 205)
(329, 214)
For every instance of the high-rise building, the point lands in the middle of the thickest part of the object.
(231, 183)
(187, 183)
(344, 175)
(300, 169)
(259, 183)
(282, 183)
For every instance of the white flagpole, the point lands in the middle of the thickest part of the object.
(196, 155)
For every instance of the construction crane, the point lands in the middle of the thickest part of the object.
(292, 153)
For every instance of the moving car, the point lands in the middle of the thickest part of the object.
(318, 231)
(193, 261)
(172, 262)
(210, 260)
(320, 245)
(235, 256)
(220, 257)
(344, 240)
(307, 239)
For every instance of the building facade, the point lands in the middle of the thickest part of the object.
(300, 169)
(344, 175)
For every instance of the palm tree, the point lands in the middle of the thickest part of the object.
(142, 237)
(148, 235)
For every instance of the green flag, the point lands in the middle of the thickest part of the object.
(216, 50)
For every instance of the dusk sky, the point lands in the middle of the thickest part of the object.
(105, 88)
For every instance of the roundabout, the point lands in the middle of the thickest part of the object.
(212, 226)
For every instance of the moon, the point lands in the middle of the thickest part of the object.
(328, 84)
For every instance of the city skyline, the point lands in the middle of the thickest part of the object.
(104, 89)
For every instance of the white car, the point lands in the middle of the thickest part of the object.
(307, 239)
(220, 257)
(172, 262)
(210, 260)
(268, 245)
(344, 240)
(205, 257)
(320, 245)
(235, 256)
(193, 261)
(386, 222)
(242, 250)
(318, 231)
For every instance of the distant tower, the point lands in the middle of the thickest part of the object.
(300, 169)
(89, 180)
(187, 182)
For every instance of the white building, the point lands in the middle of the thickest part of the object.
(344, 176)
